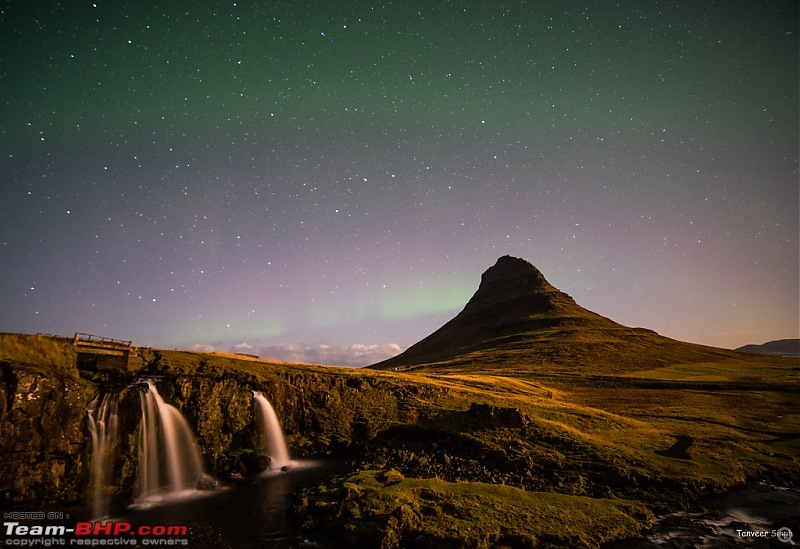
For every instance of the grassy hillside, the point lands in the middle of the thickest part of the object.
(577, 351)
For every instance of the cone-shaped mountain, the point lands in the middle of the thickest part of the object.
(518, 320)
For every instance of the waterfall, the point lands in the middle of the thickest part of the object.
(164, 434)
(103, 425)
(269, 429)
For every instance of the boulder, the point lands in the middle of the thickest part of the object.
(496, 416)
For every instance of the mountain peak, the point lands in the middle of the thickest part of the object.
(512, 277)
(513, 282)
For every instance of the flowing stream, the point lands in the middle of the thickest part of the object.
(726, 520)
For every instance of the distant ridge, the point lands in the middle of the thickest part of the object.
(779, 347)
(518, 320)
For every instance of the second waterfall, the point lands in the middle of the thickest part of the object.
(270, 433)
(169, 458)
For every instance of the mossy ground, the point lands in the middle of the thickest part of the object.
(382, 508)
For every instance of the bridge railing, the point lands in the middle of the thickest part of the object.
(91, 338)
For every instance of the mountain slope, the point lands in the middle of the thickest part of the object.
(518, 321)
(780, 347)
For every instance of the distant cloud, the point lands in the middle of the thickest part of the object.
(202, 348)
(354, 355)
(242, 347)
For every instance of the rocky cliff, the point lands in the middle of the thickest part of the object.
(42, 435)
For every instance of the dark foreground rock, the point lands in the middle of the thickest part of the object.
(42, 436)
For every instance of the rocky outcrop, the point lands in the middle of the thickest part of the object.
(509, 280)
(42, 436)
(496, 416)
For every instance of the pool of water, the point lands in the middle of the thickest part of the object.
(242, 516)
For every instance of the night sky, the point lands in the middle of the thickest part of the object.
(326, 181)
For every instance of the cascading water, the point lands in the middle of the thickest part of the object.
(164, 434)
(269, 428)
(103, 424)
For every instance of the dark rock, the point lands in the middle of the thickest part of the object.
(497, 416)
(357, 383)
(233, 467)
(350, 503)
(679, 449)
(256, 463)
(42, 440)
(206, 482)
(510, 279)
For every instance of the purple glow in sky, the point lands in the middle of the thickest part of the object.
(327, 182)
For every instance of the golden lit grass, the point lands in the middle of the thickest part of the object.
(736, 434)
(766, 369)
(39, 352)
(494, 384)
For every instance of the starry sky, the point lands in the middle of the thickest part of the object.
(326, 181)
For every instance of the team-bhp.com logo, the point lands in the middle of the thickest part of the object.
(113, 528)
(94, 533)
